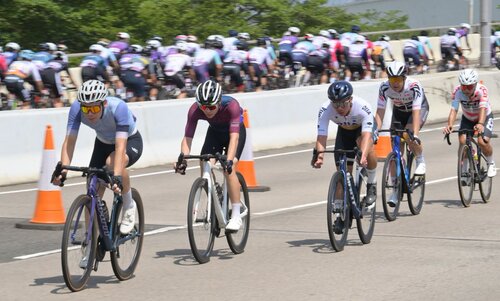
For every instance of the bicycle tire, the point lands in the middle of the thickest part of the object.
(485, 182)
(237, 241)
(465, 173)
(337, 222)
(366, 222)
(198, 213)
(73, 247)
(416, 193)
(125, 258)
(393, 185)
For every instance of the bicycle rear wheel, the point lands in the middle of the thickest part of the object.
(465, 173)
(485, 182)
(366, 222)
(416, 193)
(338, 214)
(78, 249)
(200, 221)
(237, 241)
(128, 247)
(391, 187)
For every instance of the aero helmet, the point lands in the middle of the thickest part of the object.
(396, 68)
(92, 91)
(339, 90)
(208, 93)
(468, 77)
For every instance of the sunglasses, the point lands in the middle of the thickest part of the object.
(396, 79)
(210, 108)
(94, 109)
(468, 87)
(340, 104)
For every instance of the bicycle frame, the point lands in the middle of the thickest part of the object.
(349, 193)
(401, 166)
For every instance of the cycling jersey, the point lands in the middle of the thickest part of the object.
(93, 61)
(40, 59)
(260, 56)
(425, 41)
(360, 116)
(23, 69)
(10, 56)
(108, 56)
(303, 47)
(449, 41)
(205, 57)
(118, 47)
(117, 121)
(229, 43)
(411, 98)
(176, 63)
(133, 61)
(471, 105)
(238, 57)
(413, 46)
(228, 118)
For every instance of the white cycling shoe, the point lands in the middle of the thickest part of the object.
(128, 220)
(492, 170)
(234, 224)
(393, 200)
(420, 170)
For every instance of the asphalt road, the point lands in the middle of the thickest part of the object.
(446, 253)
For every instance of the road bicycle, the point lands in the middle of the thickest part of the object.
(209, 208)
(399, 177)
(347, 201)
(472, 168)
(91, 230)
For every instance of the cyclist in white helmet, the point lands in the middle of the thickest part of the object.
(225, 130)
(118, 144)
(476, 113)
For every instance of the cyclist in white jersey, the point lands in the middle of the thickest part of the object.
(410, 106)
(261, 63)
(118, 143)
(356, 127)
(476, 113)
(175, 65)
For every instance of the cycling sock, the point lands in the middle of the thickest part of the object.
(489, 159)
(235, 210)
(420, 158)
(127, 200)
(372, 175)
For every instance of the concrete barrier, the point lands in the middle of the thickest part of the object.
(279, 118)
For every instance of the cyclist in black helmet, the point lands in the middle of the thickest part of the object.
(356, 127)
(226, 132)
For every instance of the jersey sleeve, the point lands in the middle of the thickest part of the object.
(235, 117)
(368, 119)
(382, 99)
(455, 102)
(122, 121)
(74, 119)
(483, 100)
(192, 121)
(324, 119)
(418, 95)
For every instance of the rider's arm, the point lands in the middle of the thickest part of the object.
(186, 145)
(233, 144)
(381, 104)
(120, 148)
(68, 149)
(416, 121)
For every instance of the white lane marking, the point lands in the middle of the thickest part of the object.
(264, 213)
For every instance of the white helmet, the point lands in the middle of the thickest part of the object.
(123, 35)
(192, 38)
(396, 68)
(182, 46)
(95, 47)
(287, 33)
(155, 44)
(52, 46)
(466, 25)
(244, 35)
(136, 48)
(13, 45)
(360, 38)
(294, 29)
(92, 91)
(468, 77)
(325, 33)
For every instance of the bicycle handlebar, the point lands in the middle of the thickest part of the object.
(468, 132)
(103, 173)
(355, 151)
(205, 157)
(398, 132)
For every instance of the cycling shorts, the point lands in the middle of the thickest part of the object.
(347, 140)
(406, 118)
(466, 124)
(52, 81)
(134, 81)
(103, 150)
(217, 141)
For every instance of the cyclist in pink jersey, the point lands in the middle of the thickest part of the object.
(476, 113)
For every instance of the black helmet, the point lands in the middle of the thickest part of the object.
(414, 38)
(339, 90)
(232, 33)
(355, 28)
(424, 33)
(261, 42)
(44, 47)
(241, 45)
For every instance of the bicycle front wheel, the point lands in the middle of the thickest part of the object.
(128, 247)
(201, 221)
(366, 222)
(237, 241)
(485, 182)
(465, 173)
(338, 214)
(416, 192)
(391, 188)
(78, 248)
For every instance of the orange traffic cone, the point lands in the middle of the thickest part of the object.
(245, 164)
(49, 213)
(383, 147)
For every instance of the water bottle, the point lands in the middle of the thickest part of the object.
(474, 155)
